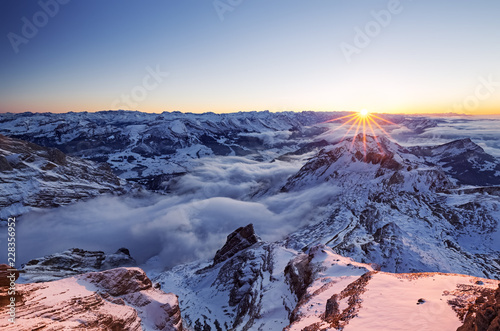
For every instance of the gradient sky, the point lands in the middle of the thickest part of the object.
(277, 55)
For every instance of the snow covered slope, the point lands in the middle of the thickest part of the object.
(117, 299)
(32, 176)
(269, 287)
(340, 299)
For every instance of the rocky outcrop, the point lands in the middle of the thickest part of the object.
(298, 273)
(117, 299)
(33, 176)
(484, 314)
(236, 293)
(73, 262)
(237, 241)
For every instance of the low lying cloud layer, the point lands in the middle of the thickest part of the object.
(221, 195)
(483, 131)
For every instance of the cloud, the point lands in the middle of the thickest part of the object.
(483, 131)
(220, 195)
(269, 138)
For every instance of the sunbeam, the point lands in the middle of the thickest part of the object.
(363, 121)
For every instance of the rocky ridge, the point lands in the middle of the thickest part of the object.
(484, 314)
(33, 176)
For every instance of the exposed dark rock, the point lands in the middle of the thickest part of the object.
(123, 250)
(237, 241)
(332, 307)
(56, 156)
(299, 274)
(4, 164)
(484, 314)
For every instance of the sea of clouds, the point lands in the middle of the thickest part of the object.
(219, 196)
(484, 131)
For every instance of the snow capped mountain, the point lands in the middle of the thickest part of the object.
(399, 211)
(465, 161)
(144, 146)
(353, 163)
(33, 176)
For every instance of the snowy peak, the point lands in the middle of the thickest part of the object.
(372, 164)
(456, 147)
(465, 161)
(371, 144)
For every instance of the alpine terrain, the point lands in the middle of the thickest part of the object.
(330, 228)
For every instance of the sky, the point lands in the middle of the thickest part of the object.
(407, 56)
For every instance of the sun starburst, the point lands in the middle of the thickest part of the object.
(365, 123)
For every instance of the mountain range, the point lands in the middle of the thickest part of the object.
(421, 220)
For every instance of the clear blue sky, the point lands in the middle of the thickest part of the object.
(278, 55)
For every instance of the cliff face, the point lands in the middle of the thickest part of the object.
(116, 299)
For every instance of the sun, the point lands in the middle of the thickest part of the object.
(365, 123)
